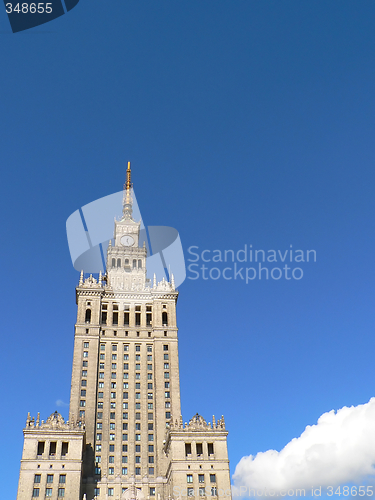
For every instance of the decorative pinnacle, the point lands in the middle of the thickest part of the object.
(127, 199)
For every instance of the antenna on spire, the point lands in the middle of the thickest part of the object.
(127, 199)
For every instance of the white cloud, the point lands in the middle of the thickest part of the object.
(59, 402)
(339, 449)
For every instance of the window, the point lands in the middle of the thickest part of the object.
(40, 448)
(35, 492)
(199, 448)
(48, 492)
(137, 437)
(214, 492)
(97, 470)
(165, 347)
(150, 437)
(125, 415)
(126, 366)
(124, 459)
(138, 471)
(125, 427)
(150, 406)
(148, 318)
(125, 395)
(98, 447)
(82, 413)
(96, 492)
(37, 478)
(88, 316)
(137, 366)
(102, 356)
(167, 414)
(98, 460)
(113, 262)
(200, 478)
(137, 460)
(167, 394)
(138, 416)
(111, 437)
(149, 375)
(152, 492)
(190, 492)
(150, 426)
(126, 357)
(137, 376)
(138, 448)
(139, 264)
(85, 354)
(167, 404)
(86, 345)
(126, 385)
(126, 347)
(125, 406)
(166, 385)
(112, 426)
(110, 492)
(52, 449)
(99, 425)
(137, 395)
(101, 375)
(100, 395)
(202, 492)
(125, 447)
(138, 427)
(98, 437)
(112, 415)
(111, 447)
(151, 470)
(137, 319)
(115, 314)
(83, 392)
(166, 374)
(149, 386)
(124, 437)
(124, 470)
(150, 417)
(100, 405)
(150, 459)
(187, 449)
(149, 395)
(151, 448)
(111, 471)
(212, 478)
(61, 492)
(84, 383)
(137, 348)
(102, 347)
(166, 356)
(104, 314)
(149, 367)
(113, 405)
(165, 318)
(166, 366)
(113, 374)
(114, 347)
(113, 395)
(101, 366)
(210, 447)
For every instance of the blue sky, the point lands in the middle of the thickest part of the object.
(246, 122)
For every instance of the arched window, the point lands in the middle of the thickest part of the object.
(139, 264)
(88, 316)
(165, 318)
(113, 262)
(118, 262)
(126, 262)
(134, 264)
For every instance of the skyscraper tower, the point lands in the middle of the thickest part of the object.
(125, 437)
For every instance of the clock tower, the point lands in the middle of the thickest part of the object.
(126, 261)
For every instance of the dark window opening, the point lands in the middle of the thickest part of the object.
(148, 319)
(88, 316)
(115, 318)
(137, 319)
(52, 448)
(134, 264)
(104, 318)
(118, 262)
(126, 319)
(210, 448)
(199, 448)
(187, 449)
(139, 264)
(41, 447)
(113, 262)
(165, 318)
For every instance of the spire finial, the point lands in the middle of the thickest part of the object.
(127, 199)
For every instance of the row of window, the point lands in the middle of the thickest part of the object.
(38, 477)
(124, 471)
(48, 492)
(199, 449)
(117, 263)
(52, 448)
(189, 478)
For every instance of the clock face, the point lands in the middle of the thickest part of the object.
(127, 241)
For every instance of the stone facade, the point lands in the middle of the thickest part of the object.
(125, 392)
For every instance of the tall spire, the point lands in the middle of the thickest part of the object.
(127, 199)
